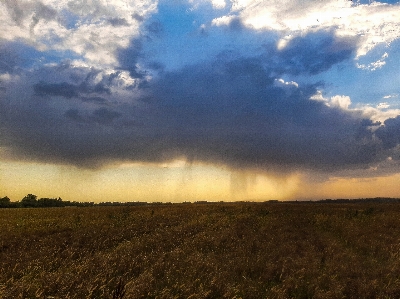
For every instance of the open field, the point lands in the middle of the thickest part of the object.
(244, 250)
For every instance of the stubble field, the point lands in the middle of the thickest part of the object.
(243, 250)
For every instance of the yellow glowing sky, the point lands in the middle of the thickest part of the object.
(178, 181)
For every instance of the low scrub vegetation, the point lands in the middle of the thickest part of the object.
(246, 250)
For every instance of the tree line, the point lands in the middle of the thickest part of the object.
(32, 201)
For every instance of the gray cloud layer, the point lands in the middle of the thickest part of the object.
(229, 110)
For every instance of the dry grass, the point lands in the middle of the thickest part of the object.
(202, 251)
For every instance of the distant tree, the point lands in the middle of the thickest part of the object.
(50, 202)
(29, 200)
(5, 202)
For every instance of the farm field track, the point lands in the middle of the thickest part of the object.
(221, 250)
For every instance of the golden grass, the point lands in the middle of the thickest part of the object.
(246, 250)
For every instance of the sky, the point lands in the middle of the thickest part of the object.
(186, 100)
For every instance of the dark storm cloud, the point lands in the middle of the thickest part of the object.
(230, 110)
(98, 100)
(315, 53)
(390, 132)
(129, 57)
(68, 90)
(105, 116)
(101, 116)
(89, 85)
(74, 114)
(56, 89)
(8, 58)
(232, 113)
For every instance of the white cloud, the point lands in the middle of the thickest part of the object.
(281, 82)
(318, 97)
(222, 21)
(218, 4)
(374, 24)
(374, 65)
(7, 78)
(391, 96)
(379, 113)
(340, 101)
(383, 105)
(283, 42)
(96, 29)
